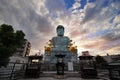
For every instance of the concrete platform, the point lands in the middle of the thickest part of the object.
(51, 78)
(66, 73)
(50, 75)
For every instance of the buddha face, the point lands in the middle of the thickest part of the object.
(60, 32)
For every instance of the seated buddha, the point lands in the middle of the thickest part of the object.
(60, 44)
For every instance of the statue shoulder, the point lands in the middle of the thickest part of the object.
(66, 37)
(54, 38)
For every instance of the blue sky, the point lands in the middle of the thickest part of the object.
(69, 3)
(93, 25)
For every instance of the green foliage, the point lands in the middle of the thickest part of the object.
(19, 36)
(6, 35)
(9, 42)
(100, 61)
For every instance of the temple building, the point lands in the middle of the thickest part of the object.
(60, 45)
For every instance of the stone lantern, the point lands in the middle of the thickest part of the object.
(60, 65)
(114, 70)
(87, 67)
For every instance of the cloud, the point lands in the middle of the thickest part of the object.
(56, 8)
(95, 23)
(22, 15)
(100, 10)
(95, 27)
(111, 36)
(76, 5)
(76, 32)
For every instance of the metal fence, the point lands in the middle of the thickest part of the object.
(15, 70)
(12, 71)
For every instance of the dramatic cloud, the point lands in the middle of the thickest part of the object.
(22, 15)
(94, 26)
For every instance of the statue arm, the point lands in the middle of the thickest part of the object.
(53, 42)
(68, 40)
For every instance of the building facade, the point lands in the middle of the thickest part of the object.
(24, 50)
(21, 54)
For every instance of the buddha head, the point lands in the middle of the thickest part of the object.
(60, 30)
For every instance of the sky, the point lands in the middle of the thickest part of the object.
(93, 25)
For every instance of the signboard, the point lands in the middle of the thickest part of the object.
(70, 66)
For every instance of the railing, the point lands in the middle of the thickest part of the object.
(14, 70)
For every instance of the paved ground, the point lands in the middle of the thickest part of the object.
(102, 75)
(70, 78)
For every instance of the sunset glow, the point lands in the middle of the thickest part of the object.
(93, 25)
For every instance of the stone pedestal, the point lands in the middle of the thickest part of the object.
(60, 76)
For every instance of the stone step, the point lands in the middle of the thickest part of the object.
(66, 73)
(47, 74)
(72, 74)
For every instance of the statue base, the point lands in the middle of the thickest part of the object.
(60, 76)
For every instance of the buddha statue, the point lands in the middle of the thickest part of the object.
(60, 45)
(61, 42)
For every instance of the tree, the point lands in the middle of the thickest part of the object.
(9, 42)
(100, 61)
(19, 36)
